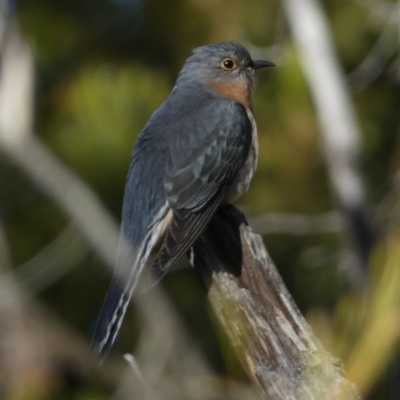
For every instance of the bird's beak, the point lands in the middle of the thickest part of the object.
(263, 64)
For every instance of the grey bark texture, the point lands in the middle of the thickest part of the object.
(272, 339)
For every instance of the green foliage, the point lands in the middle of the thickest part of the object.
(100, 112)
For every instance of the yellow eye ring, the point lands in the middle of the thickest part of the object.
(228, 64)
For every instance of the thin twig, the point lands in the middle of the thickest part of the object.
(375, 61)
(50, 264)
(130, 359)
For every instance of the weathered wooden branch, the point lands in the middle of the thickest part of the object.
(272, 339)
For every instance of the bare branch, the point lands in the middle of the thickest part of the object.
(376, 59)
(340, 132)
(69, 192)
(50, 264)
(130, 359)
(16, 94)
(274, 342)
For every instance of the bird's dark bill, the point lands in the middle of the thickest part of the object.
(263, 64)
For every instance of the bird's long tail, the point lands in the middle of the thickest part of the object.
(129, 268)
(118, 297)
(110, 318)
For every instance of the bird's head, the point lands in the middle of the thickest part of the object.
(226, 67)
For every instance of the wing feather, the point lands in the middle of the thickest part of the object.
(198, 174)
(179, 241)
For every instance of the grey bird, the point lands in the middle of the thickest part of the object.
(197, 152)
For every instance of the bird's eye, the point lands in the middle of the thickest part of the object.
(228, 64)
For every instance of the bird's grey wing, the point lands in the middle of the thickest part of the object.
(204, 159)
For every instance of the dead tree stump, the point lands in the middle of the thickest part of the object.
(272, 339)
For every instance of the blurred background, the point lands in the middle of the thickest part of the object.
(101, 68)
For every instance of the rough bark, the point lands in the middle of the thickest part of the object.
(272, 339)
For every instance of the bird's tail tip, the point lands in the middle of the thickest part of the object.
(110, 320)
